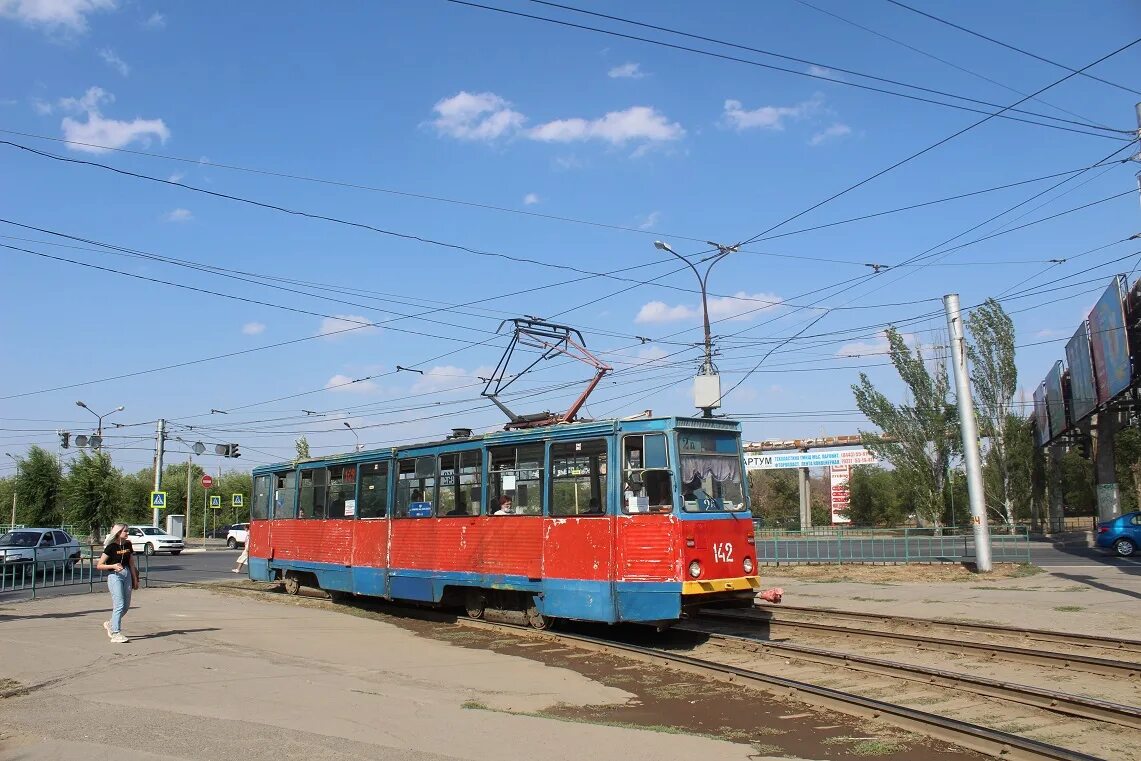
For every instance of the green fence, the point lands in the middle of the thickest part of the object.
(26, 570)
(832, 544)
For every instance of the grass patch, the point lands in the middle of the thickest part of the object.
(877, 748)
(1069, 608)
(475, 705)
(873, 599)
(8, 685)
(1023, 570)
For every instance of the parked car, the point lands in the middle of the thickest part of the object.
(151, 539)
(44, 546)
(237, 535)
(1122, 534)
(219, 533)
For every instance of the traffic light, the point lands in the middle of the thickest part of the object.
(234, 451)
(64, 439)
(227, 450)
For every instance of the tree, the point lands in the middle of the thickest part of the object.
(876, 499)
(1076, 474)
(38, 488)
(994, 379)
(917, 438)
(135, 497)
(92, 491)
(302, 445)
(775, 497)
(1127, 464)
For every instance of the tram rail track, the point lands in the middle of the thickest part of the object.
(1101, 666)
(792, 612)
(1050, 700)
(974, 737)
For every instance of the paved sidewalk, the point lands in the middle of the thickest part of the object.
(1100, 599)
(213, 676)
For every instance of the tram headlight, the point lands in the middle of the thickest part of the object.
(695, 568)
(748, 566)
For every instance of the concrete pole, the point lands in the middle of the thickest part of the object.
(160, 440)
(805, 499)
(1105, 472)
(970, 433)
(189, 467)
(1056, 521)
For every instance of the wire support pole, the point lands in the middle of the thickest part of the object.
(160, 440)
(970, 434)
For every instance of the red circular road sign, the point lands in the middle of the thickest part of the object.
(207, 481)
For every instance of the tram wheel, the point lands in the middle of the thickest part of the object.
(475, 603)
(292, 583)
(537, 619)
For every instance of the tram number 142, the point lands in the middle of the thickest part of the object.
(723, 552)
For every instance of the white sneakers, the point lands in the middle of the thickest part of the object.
(116, 637)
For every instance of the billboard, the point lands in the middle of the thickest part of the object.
(826, 459)
(1110, 344)
(1055, 404)
(840, 494)
(1041, 424)
(1083, 391)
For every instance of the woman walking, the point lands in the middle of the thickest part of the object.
(243, 559)
(118, 559)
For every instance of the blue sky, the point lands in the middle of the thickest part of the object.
(507, 124)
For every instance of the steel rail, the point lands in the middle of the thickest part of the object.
(1051, 700)
(991, 742)
(1040, 635)
(1102, 666)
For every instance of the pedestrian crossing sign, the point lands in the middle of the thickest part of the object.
(216, 502)
(158, 499)
(236, 500)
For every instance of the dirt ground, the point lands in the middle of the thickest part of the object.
(668, 701)
(900, 574)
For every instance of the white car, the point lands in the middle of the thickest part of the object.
(46, 546)
(151, 539)
(239, 533)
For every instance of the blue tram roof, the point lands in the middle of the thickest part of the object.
(560, 431)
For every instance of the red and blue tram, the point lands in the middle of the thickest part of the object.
(621, 520)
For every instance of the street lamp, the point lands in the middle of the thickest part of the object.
(358, 438)
(99, 430)
(14, 487)
(707, 385)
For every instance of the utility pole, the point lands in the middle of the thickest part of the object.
(160, 440)
(15, 488)
(970, 433)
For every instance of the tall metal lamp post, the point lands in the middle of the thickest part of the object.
(99, 429)
(13, 524)
(358, 438)
(707, 384)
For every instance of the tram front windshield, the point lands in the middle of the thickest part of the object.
(710, 472)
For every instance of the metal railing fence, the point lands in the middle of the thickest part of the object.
(34, 569)
(838, 545)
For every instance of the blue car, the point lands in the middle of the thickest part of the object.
(1123, 534)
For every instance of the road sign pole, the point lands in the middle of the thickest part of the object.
(205, 502)
(160, 439)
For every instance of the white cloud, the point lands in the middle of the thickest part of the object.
(626, 71)
(476, 116)
(1049, 333)
(340, 325)
(835, 132)
(739, 306)
(176, 177)
(344, 384)
(820, 71)
(616, 127)
(567, 163)
(448, 378)
(42, 107)
(178, 215)
(114, 61)
(155, 21)
(531, 199)
(66, 15)
(769, 117)
(880, 345)
(101, 134)
(650, 220)
(253, 328)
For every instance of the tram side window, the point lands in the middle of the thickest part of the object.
(259, 510)
(312, 494)
(578, 478)
(373, 500)
(285, 495)
(647, 482)
(460, 475)
(415, 487)
(517, 473)
(342, 485)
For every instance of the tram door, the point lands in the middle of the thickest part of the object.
(578, 543)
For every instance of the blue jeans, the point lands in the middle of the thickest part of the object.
(119, 582)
